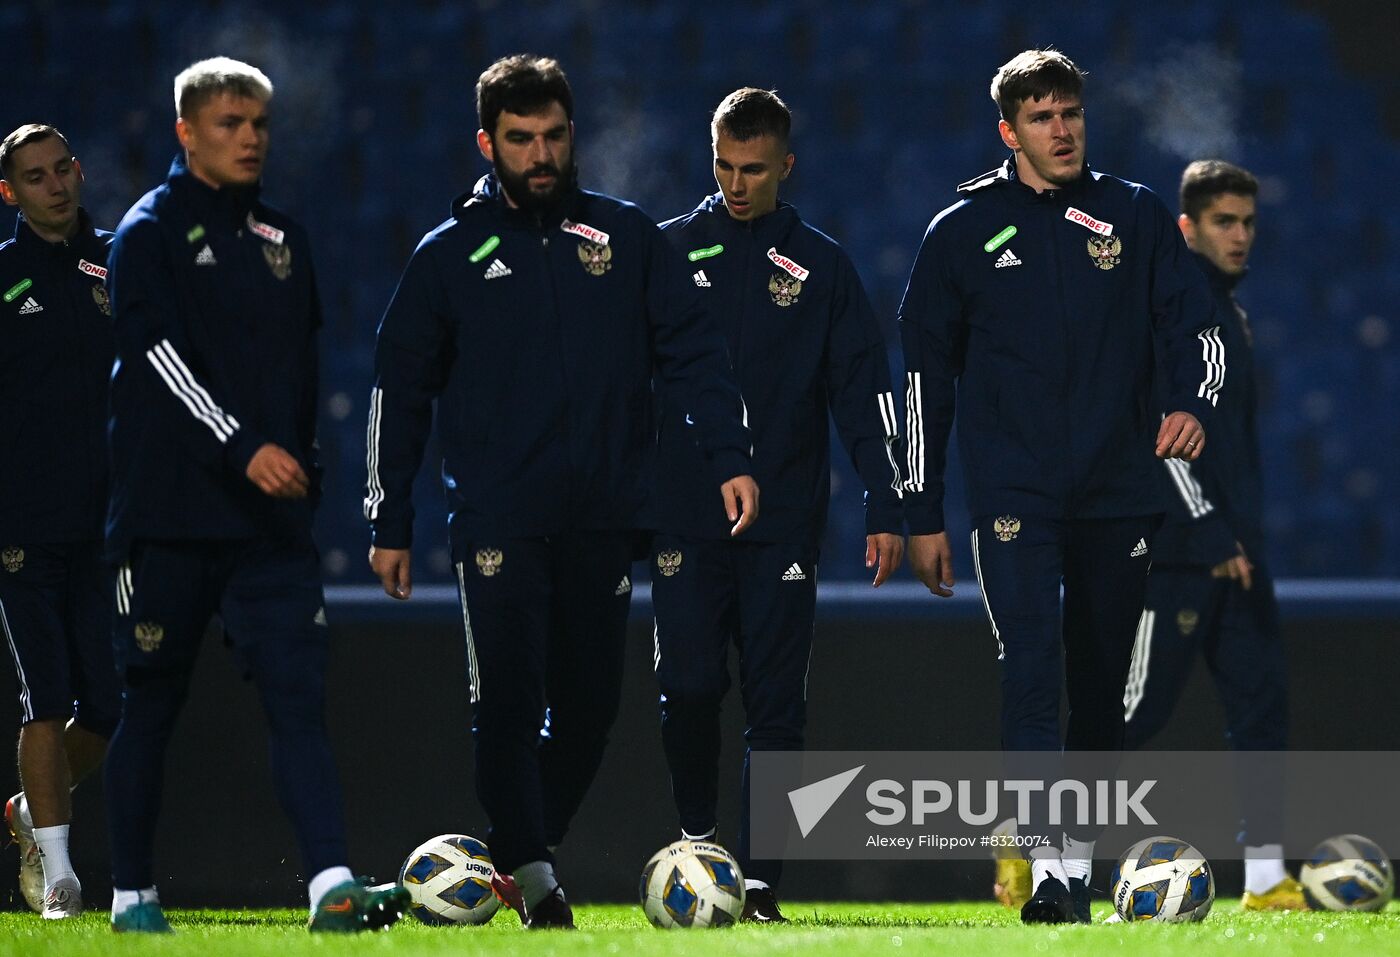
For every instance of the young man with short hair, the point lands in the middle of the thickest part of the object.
(214, 485)
(1210, 590)
(534, 317)
(56, 350)
(805, 344)
(1037, 304)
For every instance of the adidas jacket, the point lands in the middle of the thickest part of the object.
(1218, 499)
(803, 340)
(215, 306)
(538, 339)
(1040, 317)
(56, 353)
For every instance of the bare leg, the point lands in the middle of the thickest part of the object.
(52, 760)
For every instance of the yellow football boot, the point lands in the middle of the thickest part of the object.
(1287, 894)
(1013, 878)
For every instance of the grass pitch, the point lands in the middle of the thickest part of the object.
(891, 930)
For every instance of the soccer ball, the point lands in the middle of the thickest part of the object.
(692, 884)
(448, 879)
(1162, 879)
(1347, 872)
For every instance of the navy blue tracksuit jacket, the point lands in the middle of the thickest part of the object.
(1218, 500)
(540, 350)
(216, 314)
(803, 339)
(56, 351)
(1028, 311)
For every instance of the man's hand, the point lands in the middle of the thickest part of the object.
(1181, 437)
(1237, 569)
(931, 558)
(883, 552)
(740, 502)
(273, 470)
(390, 565)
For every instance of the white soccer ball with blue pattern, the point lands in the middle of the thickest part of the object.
(1162, 879)
(1347, 872)
(692, 884)
(449, 881)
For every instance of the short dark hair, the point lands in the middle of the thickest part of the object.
(26, 134)
(1034, 75)
(523, 84)
(1204, 180)
(749, 113)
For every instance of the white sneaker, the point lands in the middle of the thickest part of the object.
(31, 864)
(1113, 919)
(64, 899)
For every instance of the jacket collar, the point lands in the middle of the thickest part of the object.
(771, 228)
(28, 239)
(488, 191)
(1220, 281)
(232, 203)
(1072, 188)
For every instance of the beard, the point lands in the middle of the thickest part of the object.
(530, 199)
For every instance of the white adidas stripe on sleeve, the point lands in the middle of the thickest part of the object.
(186, 387)
(374, 495)
(1213, 352)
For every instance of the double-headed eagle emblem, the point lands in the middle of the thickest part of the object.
(596, 258)
(1105, 250)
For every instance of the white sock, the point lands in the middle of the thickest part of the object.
(123, 901)
(322, 883)
(1078, 858)
(536, 881)
(1263, 867)
(707, 836)
(1045, 862)
(53, 850)
(752, 885)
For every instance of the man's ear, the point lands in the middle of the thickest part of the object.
(1188, 229)
(488, 149)
(1008, 135)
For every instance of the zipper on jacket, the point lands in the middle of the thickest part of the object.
(1065, 390)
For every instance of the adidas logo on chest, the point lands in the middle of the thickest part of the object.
(30, 307)
(497, 270)
(794, 573)
(1007, 258)
(702, 280)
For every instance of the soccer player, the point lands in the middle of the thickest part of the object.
(214, 482)
(803, 340)
(55, 355)
(534, 317)
(1210, 590)
(1033, 305)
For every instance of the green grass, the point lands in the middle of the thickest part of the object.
(817, 930)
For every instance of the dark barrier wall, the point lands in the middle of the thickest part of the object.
(399, 716)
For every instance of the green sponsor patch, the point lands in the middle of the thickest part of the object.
(999, 238)
(485, 249)
(695, 255)
(195, 235)
(17, 289)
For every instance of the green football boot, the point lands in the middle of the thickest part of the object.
(352, 907)
(143, 918)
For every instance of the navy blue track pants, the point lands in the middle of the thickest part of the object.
(708, 595)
